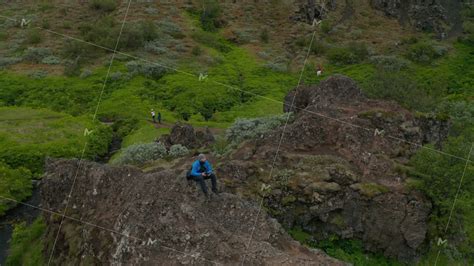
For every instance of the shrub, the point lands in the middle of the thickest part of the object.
(33, 36)
(325, 26)
(74, 49)
(26, 246)
(401, 88)
(51, 60)
(277, 67)
(142, 153)
(86, 73)
(351, 54)
(242, 36)
(389, 63)
(318, 47)
(6, 61)
(14, 184)
(211, 40)
(103, 5)
(72, 67)
(45, 24)
(147, 69)
(196, 51)
(156, 47)
(244, 129)
(422, 52)
(171, 29)
(210, 15)
(36, 55)
(264, 35)
(38, 74)
(178, 150)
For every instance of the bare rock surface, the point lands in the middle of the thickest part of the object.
(338, 168)
(157, 218)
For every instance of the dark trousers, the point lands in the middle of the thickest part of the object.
(201, 180)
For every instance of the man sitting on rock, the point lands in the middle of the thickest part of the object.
(201, 171)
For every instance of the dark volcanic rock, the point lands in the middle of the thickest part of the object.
(429, 15)
(336, 169)
(187, 136)
(122, 216)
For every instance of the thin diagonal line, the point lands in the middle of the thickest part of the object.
(455, 200)
(278, 149)
(85, 145)
(103, 228)
(248, 92)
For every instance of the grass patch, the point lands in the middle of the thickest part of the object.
(28, 135)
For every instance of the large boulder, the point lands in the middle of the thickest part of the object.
(185, 135)
(123, 216)
(337, 168)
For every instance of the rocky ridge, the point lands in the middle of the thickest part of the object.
(157, 218)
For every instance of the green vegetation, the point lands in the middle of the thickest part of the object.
(346, 250)
(47, 115)
(28, 135)
(14, 184)
(26, 246)
(103, 5)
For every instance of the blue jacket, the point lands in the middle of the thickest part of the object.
(195, 171)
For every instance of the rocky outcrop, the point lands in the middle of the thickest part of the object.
(338, 168)
(123, 216)
(373, 135)
(432, 15)
(185, 135)
(309, 10)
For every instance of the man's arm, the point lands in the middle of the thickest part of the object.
(209, 167)
(195, 169)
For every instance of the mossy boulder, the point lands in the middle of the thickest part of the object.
(369, 190)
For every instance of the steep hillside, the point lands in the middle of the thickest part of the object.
(373, 166)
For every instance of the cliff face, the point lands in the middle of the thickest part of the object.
(340, 168)
(440, 16)
(157, 218)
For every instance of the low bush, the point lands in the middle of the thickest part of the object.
(172, 29)
(14, 184)
(51, 60)
(33, 36)
(156, 47)
(196, 51)
(265, 35)
(74, 49)
(401, 88)
(141, 153)
(244, 129)
(326, 26)
(423, 53)
(389, 63)
(212, 41)
(209, 17)
(6, 61)
(36, 55)
(103, 5)
(26, 246)
(146, 69)
(72, 68)
(178, 150)
(351, 54)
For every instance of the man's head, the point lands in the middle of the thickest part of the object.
(202, 157)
